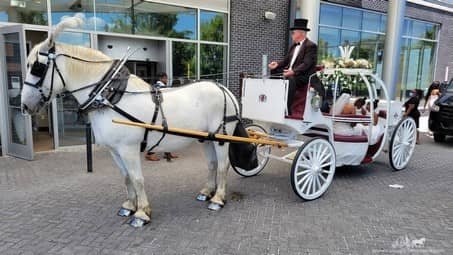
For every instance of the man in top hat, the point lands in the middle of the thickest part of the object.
(299, 63)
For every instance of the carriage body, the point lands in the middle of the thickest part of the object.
(264, 102)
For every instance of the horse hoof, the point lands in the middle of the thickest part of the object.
(137, 222)
(214, 206)
(123, 212)
(202, 197)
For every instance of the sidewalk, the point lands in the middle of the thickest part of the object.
(52, 206)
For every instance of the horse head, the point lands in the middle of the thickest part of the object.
(43, 80)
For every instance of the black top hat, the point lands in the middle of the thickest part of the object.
(300, 24)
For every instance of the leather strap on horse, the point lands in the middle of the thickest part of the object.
(157, 98)
(226, 119)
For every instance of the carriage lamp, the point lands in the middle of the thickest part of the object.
(315, 100)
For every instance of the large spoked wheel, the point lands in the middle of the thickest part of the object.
(261, 150)
(313, 169)
(402, 144)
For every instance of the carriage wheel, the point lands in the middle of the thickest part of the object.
(260, 150)
(402, 144)
(313, 169)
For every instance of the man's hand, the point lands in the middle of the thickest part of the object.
(288, 73)
(273, 65)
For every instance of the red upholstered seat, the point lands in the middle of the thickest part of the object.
(351, 116)
(350, 139)
(298, 106)
(319, 68)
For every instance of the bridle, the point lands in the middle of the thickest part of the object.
(40, 70)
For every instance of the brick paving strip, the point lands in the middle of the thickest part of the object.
(52, 206)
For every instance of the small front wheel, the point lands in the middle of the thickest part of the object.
(313, 169)
(261, 150)
(402, 143)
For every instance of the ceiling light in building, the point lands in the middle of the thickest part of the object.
(18, 3)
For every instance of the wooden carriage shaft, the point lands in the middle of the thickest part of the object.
(202, 135)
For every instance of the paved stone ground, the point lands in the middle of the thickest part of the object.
(52, 206)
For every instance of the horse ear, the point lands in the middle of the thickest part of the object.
(71, 22)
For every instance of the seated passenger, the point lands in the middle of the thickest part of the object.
(343, 107)
(360, 106)
(378, 128)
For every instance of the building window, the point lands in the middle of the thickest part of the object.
(184, 62)
(24, 11)
(212, 62)
(213, 26)
(329, 40)
(371, 21)
(165, 20)
(330, 15)
(84, 9)
(114, 16)
(351, 18)
(340, 25)
(71, 123)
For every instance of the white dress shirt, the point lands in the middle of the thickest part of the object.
(296, 52)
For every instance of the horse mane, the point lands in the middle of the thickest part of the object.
(79, 67)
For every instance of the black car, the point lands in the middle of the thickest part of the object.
(441, 115)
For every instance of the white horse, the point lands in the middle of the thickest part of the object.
(199, 106)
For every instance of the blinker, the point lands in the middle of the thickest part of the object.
(38, 69)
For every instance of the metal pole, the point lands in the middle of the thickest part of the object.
(391, 65)
(264, 66)
(309, 9)
(89, 148)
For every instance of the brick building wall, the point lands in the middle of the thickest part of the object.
(251, 36)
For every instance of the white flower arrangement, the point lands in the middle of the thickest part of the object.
(345, 61)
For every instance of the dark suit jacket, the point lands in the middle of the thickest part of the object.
(306, 60)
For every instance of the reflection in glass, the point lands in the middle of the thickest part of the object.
(213, 26)
(417, 65)
(372, 48)
(352, 18)
(13, 66)
(330, 15)
(212, 62)
(68, 8)
(24, 11)
(114, 16)
(383, 23)
(351, 38)
(371, 21)
(165, 20)
(329, 40)
(74, 38)
(184, 62)
(71, 124)
(17, 126)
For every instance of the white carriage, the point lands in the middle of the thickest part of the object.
(319, 149)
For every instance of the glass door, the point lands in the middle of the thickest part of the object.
(18, 126)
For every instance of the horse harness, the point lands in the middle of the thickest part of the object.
(110, 89)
